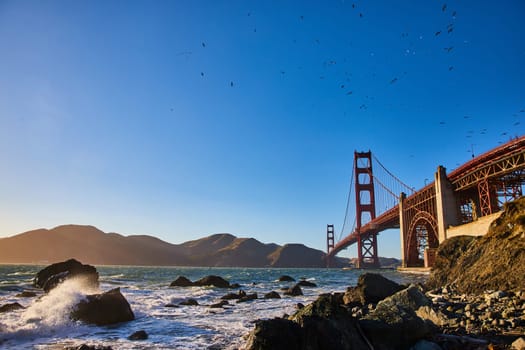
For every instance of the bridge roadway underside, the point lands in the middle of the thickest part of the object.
(385, 221)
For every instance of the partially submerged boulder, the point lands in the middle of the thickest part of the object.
(214, 281)
(10, 307)
(294, 291)
(286, 278)
(181, 281)
(103, 309)
(49, 277)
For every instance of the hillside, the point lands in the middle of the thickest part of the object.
(495, 261)
(92, 246)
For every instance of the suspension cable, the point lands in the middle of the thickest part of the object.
(412, 190)
(347, 204)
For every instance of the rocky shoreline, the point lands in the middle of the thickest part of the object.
(382, 315)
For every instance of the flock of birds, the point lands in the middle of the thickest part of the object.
(448, 30)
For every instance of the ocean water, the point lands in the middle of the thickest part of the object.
(44, 323)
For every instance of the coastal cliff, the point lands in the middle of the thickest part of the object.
(495, 261)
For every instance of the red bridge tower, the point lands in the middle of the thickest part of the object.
(365, 210)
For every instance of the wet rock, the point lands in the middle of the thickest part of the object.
(294, 291)
(235, 285)
(181, 281)
(272, 295)
(220, 304)
(139, 335)
(371, 288)
(305, 283)
(285, 278)
(189, 302)
(215, 281)
(10, 307)
(49, 277)
(88, 347)
(233, 296)
(26, 294)
(103, 309)
(171, 305)
(394, 323)
(247, 297)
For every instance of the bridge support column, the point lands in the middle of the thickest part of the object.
(403, 231)
(446, 203)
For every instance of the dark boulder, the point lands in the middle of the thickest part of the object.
(275, 334)
(305, 283)
(232, 296)
(181, 281)
(371, 288)
(189, 302)
(220, 304)
(103, 309)
(52, 275)
(88, 347)
(285, 278)
(26, 294)
(394, 324)
(323, 324)
(272, 295)
(10, 307)
(247, 297)
(294, 291)
(139, 335)
(215, 281)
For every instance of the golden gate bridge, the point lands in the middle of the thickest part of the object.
(474, 190)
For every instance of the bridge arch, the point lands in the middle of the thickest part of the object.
(422, 234)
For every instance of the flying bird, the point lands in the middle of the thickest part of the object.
(437, 33)
(353, 6)
(444, 7)
(454, 14)
(442, 123)
(393, 81)
(202, 74)
(360, 15)
(516, 123)
(450, 29)
(448, 49)
(203, 44)
(349, 92)
(231, 83)
(450, 68)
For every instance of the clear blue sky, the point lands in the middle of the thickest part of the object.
(182, 119)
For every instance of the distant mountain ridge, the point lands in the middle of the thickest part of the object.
(92, 246)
